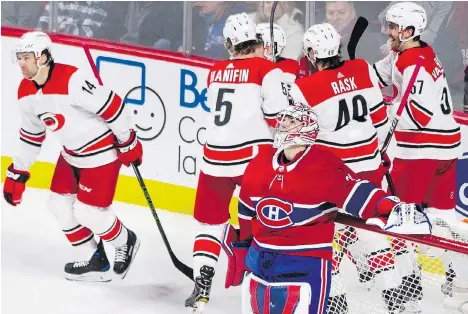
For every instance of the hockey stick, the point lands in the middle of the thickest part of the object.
(272, 20)
(186, 270)
(397, 117)
(359, 29)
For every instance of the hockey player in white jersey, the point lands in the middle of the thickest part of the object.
(244, 94)
(97, 138)
(346, 96)
(288, 66)
(427, 137)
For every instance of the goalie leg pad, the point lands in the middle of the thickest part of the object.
(260, 296)
(280, 268)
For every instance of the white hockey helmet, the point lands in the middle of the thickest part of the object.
(279, 36)
(324, 41)
(407, 14)
(239, 28)
(296, 125)
(35, 42)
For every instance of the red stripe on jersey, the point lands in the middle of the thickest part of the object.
(113, 108)
(292, 299)
(357, 69)
(35, 138)
(288, 65)
(253, 294)
(378, 114)
(230, 155)
(421, 137)
(266, 300)
(420, 115)
(239, 71)
(207, 245)
(354, 152)
(105, 142)
(271, 121)
(113, 232)
(78, 234)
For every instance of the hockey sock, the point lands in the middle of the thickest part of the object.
(103, 222)
(207, 247)
(61, 206)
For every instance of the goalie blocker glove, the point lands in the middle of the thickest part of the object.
(403, 218)
(15, 184)
(236, 252)
(130, 151)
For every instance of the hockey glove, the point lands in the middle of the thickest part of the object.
(236, 252)
(404, 219)
(15, 184)
(130, 151)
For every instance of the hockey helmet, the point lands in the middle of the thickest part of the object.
(407, 14)
(324, 41)
(279, 36)
(296, 125)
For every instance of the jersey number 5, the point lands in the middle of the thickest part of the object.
(359, 110)
(220, 104)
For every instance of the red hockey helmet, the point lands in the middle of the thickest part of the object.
(296, 125)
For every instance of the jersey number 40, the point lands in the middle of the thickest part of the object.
(358, 108)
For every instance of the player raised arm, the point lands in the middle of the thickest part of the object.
(377, 108)
(108, 105)
(274, 92)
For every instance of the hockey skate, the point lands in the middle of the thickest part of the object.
(407, 297)
(96, 269)
(201, 293)
(125, 255)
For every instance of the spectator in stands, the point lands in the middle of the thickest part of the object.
(209, 18)
(97, 19)
(342, 15)
(290, 19)
(154, 24)
(21, 13)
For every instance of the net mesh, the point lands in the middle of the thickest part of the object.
(379, 273)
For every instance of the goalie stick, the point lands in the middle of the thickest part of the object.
(186, 270)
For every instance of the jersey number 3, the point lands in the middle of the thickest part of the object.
(225, 105)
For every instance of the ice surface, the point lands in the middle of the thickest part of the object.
(34, 252)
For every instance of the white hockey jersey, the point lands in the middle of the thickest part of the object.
(427, 129)
(244, 96)
(84, 116)
(351, 113)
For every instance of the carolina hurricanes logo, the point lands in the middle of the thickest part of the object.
(52, 121)
(274, 213)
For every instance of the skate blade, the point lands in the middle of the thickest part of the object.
(90, 277)
(135, 250)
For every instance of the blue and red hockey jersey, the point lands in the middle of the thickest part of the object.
(290, 207)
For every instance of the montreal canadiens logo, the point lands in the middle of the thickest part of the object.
(52, 121)
(274, 213)
(463, 194)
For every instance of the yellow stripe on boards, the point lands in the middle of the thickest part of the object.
(174, 198)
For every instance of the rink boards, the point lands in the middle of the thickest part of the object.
(166, 97)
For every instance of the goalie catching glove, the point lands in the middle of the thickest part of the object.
(129, 151)
(403, 218)
(15, 184)
(236, 252)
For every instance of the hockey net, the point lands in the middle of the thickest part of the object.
(379, 272)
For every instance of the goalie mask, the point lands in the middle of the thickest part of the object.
(296, 125)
